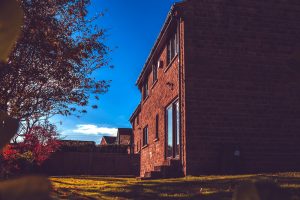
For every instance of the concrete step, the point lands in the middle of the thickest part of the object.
(172, 168)
(161, 167)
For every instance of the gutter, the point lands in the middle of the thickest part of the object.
(158, 40)
(180, 67)
(135, 112)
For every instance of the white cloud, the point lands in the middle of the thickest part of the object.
(90, 129)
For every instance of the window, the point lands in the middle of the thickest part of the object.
(173, 130)
(137, 146)
(172, 48)
(138, 119)
(169, 114)
(145, 90)
(145, 136)
(156, 126)
(154, 71)
(140, 144)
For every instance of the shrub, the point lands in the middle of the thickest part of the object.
(25, 156)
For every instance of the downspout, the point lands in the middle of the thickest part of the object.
(179, 88)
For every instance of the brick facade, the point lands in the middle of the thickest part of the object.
(242, 90)
(161, 94)
(237, 80)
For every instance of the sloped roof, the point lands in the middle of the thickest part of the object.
(109, 139)
(136, 111)
(124, 131)
(76, 143)
(159, 38)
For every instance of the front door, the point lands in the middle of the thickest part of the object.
(173, 130)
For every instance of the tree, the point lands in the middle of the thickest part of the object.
(50, 69)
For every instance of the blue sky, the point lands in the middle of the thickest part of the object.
(132, 28)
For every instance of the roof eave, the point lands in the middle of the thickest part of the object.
(135, 112)
(160, 36)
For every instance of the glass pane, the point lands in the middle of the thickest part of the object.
(173, 45)
(177, 147)
(169, 53)
(170, 131)
(156, 126)
(147, 135)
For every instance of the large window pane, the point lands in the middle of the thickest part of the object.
(177, 132)
(170, 131)
(145, 136)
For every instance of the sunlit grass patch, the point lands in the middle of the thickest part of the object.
(202, 187)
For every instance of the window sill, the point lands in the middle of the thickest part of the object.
(154, 83)
(171, 63)
(145, 146)
(156, 139)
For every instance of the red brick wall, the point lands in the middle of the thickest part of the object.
(181, 91)
(242, 85)
(160, 96)
(91, 163)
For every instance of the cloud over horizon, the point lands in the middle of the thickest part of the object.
(91, 129)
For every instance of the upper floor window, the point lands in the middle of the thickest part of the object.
(145, 136)
(156, 126)
(154, 71)
(145, 90)
(172, 48)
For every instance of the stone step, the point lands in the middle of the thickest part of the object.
(172, 168)
(161, 167)
(147, 175)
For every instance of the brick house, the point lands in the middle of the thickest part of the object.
(221, 90)
(124, 138)
(108, 140)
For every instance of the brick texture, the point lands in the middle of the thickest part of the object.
(161, 94)
(242, 86)
(239, 89)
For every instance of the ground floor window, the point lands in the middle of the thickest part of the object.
(137, 146)
(145, 136)
(173, 130)
(156, 126)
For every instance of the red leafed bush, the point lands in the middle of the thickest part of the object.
(41, 142)
(25, 156)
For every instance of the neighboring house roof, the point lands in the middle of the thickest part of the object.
(109, 139)
(124, 136)
(158, 40)
(76, 143)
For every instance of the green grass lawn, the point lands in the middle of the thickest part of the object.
(203, 187)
